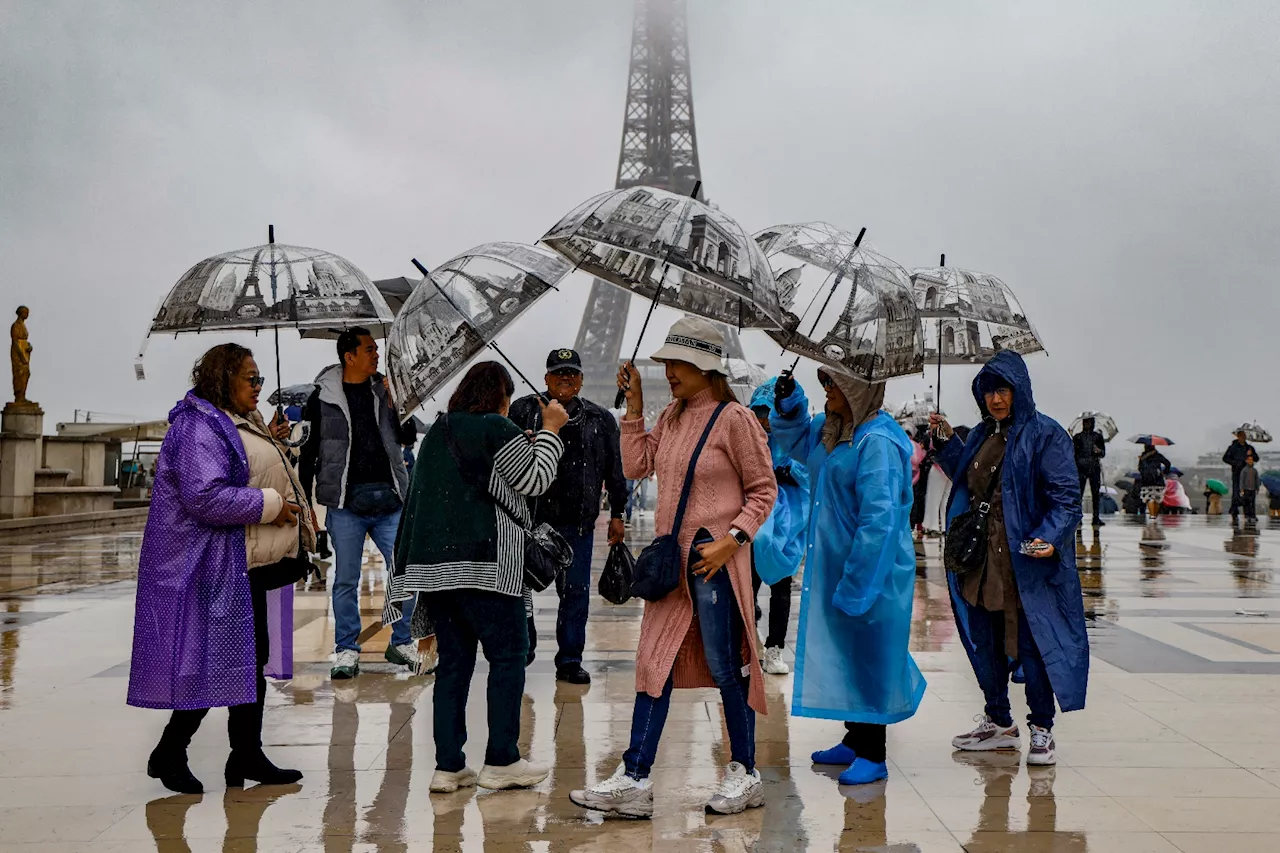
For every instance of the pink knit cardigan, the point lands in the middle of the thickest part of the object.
(733, 486)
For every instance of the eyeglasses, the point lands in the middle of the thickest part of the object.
(257, 381)
(825, 381)
(1004, 393)
(566, 374)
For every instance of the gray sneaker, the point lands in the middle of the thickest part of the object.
(1043, 749)
(739, 791)
(619, 794)
(988, 737)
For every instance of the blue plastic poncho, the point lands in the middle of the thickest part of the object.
(779, 544)
(852, 657)
(1041, 491)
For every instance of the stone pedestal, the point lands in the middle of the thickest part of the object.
(21, 426)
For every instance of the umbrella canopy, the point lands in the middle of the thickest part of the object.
(1270, 482)
(1125, 484)
(690, 255)
(744, 377)
(1145, 438)
(846, 306)
(970, 316)
(1217, 487)
(394, 290)
(469, 300)
(292, 395)
(269, 286)
(1253, 432)
(1104, 423)
(916, 411)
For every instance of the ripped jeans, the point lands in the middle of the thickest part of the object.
(720, 623)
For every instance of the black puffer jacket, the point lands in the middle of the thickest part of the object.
(592, 462)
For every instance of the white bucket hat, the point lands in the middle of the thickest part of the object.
(697, 341)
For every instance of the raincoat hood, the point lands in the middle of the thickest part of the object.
(1010, 367)
(763, 396)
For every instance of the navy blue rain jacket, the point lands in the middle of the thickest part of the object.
(1041, 491)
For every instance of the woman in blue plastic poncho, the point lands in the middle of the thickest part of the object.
(852, 661)
(1022, 609)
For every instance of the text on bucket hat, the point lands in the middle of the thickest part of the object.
(696, 341)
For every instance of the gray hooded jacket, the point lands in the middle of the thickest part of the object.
(326, 457)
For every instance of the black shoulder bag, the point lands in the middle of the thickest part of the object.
(965, 551)
(660, 565)
(546, 553)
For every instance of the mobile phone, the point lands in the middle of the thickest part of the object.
(1035, 549)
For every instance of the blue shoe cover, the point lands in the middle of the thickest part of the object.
(863, 771)
(837, 755)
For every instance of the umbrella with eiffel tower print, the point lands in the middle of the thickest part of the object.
(846, 306)
(458, 310)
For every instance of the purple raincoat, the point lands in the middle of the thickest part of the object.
(193, 641)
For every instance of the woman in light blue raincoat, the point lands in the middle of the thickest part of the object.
(1023, 609)
(852, 658)
(779, 546)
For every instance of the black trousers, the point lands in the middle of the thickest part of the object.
(244, 722)
(1237, 499)
(867, 740)
(779, 608)
(1092, 474)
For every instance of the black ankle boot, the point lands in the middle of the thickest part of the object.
(256, 767)
(172, 771)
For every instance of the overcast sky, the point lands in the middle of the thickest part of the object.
(1115, 163)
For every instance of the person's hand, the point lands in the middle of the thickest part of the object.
(391, 400)
(553, 415)
(280, 428)
(940, 427)
(315, 521)
(783, 388)
(288, 515)
(1047, 552)
(629, 381)
(617, 531)
(714, 556)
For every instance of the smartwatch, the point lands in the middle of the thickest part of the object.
(741, 538)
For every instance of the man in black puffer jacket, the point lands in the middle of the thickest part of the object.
(592, 461)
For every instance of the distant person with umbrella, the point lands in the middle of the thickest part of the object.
(1090, 450)
(1153, 470)
(1236, 457)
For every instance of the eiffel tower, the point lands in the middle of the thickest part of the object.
(659, 149)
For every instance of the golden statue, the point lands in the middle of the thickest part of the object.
(20, 355)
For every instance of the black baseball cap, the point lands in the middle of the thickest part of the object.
(563, 359)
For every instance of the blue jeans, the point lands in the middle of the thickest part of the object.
(720, 623)
(986, 628)
(574, 588)
(347, 532)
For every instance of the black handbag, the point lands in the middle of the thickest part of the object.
(546, 553)
(965, 551)
(618, 575)
(660, 565)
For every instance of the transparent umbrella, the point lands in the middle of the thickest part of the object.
(846, 306)
(969, 317)
(915, 411)
(459, 309)
(1101, 421)
(1254, 432)
(272, 286)
(394, 290)
(674, 250)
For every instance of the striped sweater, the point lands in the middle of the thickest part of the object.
(452, 533)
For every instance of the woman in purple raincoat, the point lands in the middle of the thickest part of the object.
(200, 628)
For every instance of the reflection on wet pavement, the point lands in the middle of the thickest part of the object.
(1176, 752)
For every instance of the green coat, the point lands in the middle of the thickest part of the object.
(452, 533)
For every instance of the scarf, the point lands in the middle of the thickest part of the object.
(864, 402)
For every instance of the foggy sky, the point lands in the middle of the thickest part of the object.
(1116, 164)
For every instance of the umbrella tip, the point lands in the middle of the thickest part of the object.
(420, 267)
(942, 262)
(861, 234)
(271, 233)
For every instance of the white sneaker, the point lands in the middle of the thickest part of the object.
(619, 794)
(1043, 749)
(405, 654)
(773, 662)
(988, 736)
(523, 774)
(346, 664)
(739, 791)
(444, 782)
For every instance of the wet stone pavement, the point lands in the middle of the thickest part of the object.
(1179, 749)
